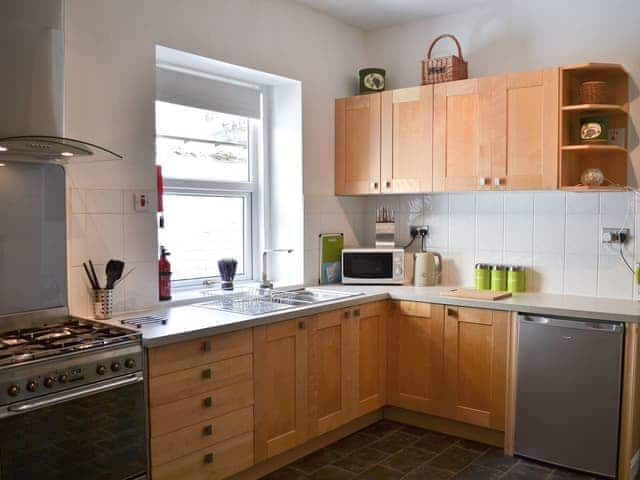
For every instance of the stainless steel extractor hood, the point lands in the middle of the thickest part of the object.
(32, 87)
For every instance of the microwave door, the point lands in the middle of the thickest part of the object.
(369, 266)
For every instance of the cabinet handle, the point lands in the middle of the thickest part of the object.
(451, 312)
(347, 314)
(206, 374)
(207, 431)
(482, 181)
(208, 458)
(206, 346)
(207, 402)
(302, 325)
(374, 185)
(388, 184)
(497, 181)
(356, 312)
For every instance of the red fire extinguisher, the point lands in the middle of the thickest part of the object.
(164, 268)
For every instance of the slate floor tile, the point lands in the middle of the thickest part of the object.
(495, 458)
(382, 428)
(428, 472)
(286, 473)
(316, 460)
(408, 458)
(565, 474)
(435, 442)
(361, 460)
(527, 471)
(471, 445)
(394, 442)
(380, 473)
(454, 458)
(331, 472)
(476, 472)
(352, 442)
(416, 431)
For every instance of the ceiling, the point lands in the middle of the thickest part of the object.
(373, 14)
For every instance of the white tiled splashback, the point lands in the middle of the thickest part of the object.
(104, 225)
(556, 235)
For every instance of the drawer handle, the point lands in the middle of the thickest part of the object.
(356, 312)
(207, 431)
(207, 402)
(452, 312)
(302, 325)
(347, 314)
(208, 458)
(206, 346)
(206, 374)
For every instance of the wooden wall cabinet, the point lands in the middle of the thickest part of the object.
(415, 352)
(357, 145)
(281, 386)
(475, 365)
(407, 125)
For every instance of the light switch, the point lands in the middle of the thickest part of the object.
(141, 202)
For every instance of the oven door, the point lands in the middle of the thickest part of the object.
(92, 432)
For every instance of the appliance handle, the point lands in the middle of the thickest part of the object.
(72, 395)
(605, 327)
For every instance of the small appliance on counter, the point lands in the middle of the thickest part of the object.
(227, 267)
(373, 266)
(427, 269)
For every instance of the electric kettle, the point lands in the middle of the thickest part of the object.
(427, 269)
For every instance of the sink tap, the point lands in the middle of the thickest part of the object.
(266, 283)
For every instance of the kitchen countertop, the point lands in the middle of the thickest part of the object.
(190, 321)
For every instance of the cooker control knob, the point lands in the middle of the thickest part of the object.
(48, 382)
(63, 378)
(32, 385)
(101, 370)
(13, 390)
(115, 366)
(129, 363)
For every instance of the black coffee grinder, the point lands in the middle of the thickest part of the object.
(227, 267)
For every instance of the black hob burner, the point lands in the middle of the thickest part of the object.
(23, 345)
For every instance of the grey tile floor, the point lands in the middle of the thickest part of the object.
(391, 451)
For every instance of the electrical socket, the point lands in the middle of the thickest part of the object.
(415, 230)
(615, 235)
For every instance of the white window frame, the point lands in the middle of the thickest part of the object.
(249, 191)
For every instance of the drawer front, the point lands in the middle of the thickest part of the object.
(184, 355)
(190, 411)
(171, 446)
(212, 463)
(194, 381)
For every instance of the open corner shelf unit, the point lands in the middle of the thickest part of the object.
(575, 157)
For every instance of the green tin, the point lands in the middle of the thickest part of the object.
(371, 80)
(516, 279)
(482, 276)
(498, 278)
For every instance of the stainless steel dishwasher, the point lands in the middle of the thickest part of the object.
(568, 397)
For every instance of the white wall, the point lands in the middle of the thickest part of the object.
(553, 233)
(109, 93)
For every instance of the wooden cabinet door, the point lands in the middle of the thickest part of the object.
(467, 132)
(357, 145)
(371, 322)
(407, 127)
(280, 377)
(529, 113)
(475, 365)
(415, 333)
(331, 371)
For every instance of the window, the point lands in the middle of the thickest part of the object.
(208, 161)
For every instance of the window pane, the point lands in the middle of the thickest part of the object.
(201, 230)
(192, 143)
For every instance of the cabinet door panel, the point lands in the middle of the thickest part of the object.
(372, 360)
(407, 158)
(475, 366)
(415, 362)
(357, 145)
(280, 386)
(331, 377)
(530, 102)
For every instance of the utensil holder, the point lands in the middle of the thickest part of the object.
(103, 304)
(385, 234)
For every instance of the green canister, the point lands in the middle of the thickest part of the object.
(516, 279)
(498, 278)
(483, 276)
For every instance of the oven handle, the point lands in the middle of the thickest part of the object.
(72, 395)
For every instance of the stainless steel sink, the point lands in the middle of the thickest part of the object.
(258, 301)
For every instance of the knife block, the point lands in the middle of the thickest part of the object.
(385, 234)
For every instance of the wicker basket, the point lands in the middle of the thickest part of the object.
(594, 92)
(443, 69)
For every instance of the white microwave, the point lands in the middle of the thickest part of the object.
(373, 266)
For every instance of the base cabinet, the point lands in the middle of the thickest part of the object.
(371, 356)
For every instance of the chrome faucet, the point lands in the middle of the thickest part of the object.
(266, 283)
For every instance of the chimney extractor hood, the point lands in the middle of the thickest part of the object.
(47, 148)
(32, 87)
